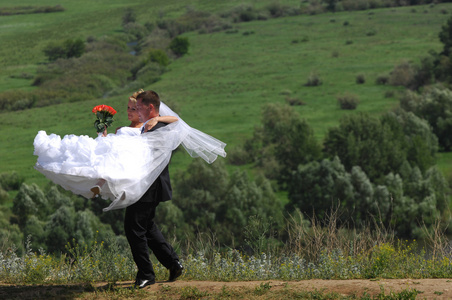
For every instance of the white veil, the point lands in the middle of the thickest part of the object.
(195, 142)
(162, 142)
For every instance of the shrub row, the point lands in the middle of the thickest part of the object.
(21, 10)
(353, 5)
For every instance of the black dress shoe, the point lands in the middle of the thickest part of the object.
(142, 283)
(175, 271)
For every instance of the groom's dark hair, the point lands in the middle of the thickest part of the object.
(150, 97)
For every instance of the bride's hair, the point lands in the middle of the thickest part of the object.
(134, 96)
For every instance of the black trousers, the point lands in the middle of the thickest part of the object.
(143, 234)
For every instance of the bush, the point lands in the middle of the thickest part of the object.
(74, 48)
(54, 51)
(137, 31)
(314, 8)
(276, 10)
(371, 32)
(129, 16)
(247, 16)
(159, 56)
(352, 5)
(403, 74)
(237, 156)
(67, 49)
(294, 101)
(360, 79)
(348, 101)
(11, 181)
(149, 74)
(179, 46)
(389, 94)
(313, 80)
(382, 79)
(16, 100)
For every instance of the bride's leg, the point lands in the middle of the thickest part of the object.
(97, 189)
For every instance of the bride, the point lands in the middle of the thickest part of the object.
(121, 165)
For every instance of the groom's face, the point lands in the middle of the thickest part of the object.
(144, 110)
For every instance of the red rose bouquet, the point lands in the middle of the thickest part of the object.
(104, 115)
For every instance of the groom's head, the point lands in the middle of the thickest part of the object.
(148, 104)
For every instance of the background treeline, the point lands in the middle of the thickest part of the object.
(377, 170)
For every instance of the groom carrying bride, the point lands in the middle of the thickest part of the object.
(133, 168)
(141, 231)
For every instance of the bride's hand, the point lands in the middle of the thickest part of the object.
(150, 124)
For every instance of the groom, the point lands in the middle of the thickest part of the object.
(141, 231)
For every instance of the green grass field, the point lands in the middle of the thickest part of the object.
(221, 85)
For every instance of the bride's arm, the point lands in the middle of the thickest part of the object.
(164, 119)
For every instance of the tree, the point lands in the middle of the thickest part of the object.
(282, 142)
(420, 144)
(362, 140)
(199, 192)
(212, 201)
(380, 145)
(88, 228)
(317, 187)
(60, 229)
(30, 200)
(362, 205)
(424, 195)
(406, 202)
(179, 46)
(445, 36)
(330, 4)
(10, 234)
(435, 106)
(171, 220)
(114, 218)
(245, 199)
(34, 228)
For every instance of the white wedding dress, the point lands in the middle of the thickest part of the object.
(128, 161)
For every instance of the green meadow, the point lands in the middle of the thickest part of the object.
(222, 84)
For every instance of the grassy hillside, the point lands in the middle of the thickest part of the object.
(222, 84)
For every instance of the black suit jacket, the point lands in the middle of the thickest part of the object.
(161, 189)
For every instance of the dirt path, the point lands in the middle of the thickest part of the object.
(427, 288)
